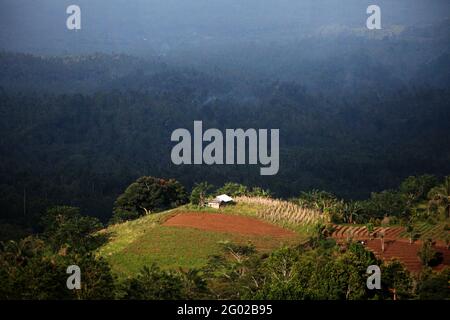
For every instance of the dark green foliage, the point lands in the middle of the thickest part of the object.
(340, 211)
(200, 193)
(318, 273)
(385, 203)
(82, 148)
(417, 187)
(439, 198)
(10, 231)
(412, 232)
(428, 254)
(314, 270)
(259, 192)
(194, 284)
(65, 228)
(148, 195)
(434, 285)
(311, 271)
(317, 199)
(97, 280)
(33, 277)
(152, 283)
(233, 189)
(398, 205)
(35, 268)
(236, 190)
(232, 274)
(28, 270)
(281, 277)
(395, 279)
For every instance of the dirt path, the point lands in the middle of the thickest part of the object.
(228, 224)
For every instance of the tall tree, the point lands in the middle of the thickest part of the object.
(200, 193)
(148, 195)
(439, 197)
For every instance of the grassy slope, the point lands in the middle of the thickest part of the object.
(137, 243)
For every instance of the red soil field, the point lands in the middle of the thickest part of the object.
(227, 224)
(406, 253)
(395, 246)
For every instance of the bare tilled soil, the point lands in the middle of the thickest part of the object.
(406, 253)
(227, 224)
(396, 247)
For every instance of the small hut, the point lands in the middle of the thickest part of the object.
(220, 201)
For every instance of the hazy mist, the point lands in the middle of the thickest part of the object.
(170, 26)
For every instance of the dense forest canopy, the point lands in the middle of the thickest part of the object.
(84, 148)
(357, 111)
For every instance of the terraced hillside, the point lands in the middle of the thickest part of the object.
(406, 253)
(431, 231)
(362, 233)
(396, 243)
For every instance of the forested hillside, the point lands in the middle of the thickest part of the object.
(84, 148)
(357, 113)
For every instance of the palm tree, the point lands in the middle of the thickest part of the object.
(320, 200)
(440, 197)
(350, 211)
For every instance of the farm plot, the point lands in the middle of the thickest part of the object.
(228, 224)
(186, 239)
(397, 245)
